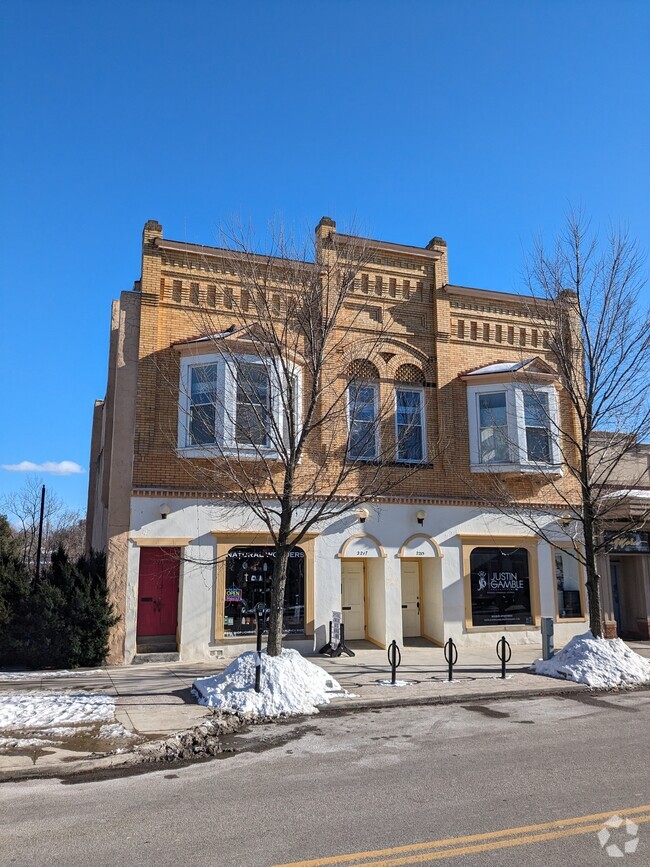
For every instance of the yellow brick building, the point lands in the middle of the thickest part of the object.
(427, 561)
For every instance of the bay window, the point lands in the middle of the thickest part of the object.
(513, 428)
(233, 405)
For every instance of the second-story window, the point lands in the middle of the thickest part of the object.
(203, 404)
(513, 416)
(537, 421)
(237, 405)
(409, 424)
(253, 410)
(362, 404)
(493, 423)
(363, 411)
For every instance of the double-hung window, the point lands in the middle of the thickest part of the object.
(363, 444)
(409, 423)
(253, 404)
(493, 428)
(203, 409)
(538, 426)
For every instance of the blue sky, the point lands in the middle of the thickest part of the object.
(477, 121)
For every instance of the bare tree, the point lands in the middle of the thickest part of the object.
(291, 414)
(586, 297)
(60, 525)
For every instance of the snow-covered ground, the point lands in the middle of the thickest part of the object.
(19, 710)
(602, 663)
(46, 718)
(290, 684)
(42, 675)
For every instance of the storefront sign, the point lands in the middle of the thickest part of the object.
(629, 543)
(500, 587)
(249, 578)
(336, 629)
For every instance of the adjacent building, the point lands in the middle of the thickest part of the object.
(429, 561)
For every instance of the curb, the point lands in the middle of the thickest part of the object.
(470, 698)
(126, 764)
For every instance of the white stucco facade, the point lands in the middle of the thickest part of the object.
(390, 536)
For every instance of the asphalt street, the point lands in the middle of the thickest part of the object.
(517, 782)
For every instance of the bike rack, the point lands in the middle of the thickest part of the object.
(395, 660)
(504, 653)
(451, 657)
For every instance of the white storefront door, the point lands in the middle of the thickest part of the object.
(353, 598)
(410, 599)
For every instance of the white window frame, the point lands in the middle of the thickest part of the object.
(375, 388)
(225, 418)
(519, 461)
(423, 427)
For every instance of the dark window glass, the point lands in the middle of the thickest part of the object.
(409, 425)
(567, 576)
(538, 439)
(500, 587)
(253, 404)
(249, 574)
(203, 397)
(363, 422)
(493, 421)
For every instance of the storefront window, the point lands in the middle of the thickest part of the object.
(249, 574)
(567, 577)
(500, 587)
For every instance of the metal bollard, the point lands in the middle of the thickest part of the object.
(504, 653)
(395, 660)
(259, 614)
(547, 638)
(451, 657)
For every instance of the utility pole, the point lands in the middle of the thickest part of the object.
(40, 533)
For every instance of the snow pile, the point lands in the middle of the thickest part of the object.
(290, 684)
(19, 710)
(601, 663)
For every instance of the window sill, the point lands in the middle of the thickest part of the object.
(374, 462)
(533, 627)
(518, 469)
(214, 452)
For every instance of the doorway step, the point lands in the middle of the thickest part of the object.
(141, 658)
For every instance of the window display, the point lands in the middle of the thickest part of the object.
(249, 574)
(567, 577)
(500, 587)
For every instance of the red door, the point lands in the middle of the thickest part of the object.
(158, 591)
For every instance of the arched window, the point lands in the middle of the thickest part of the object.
(409, 413)
(363, 410)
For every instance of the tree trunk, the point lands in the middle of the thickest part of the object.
(593, 578)
(593, 603)
(274, 646)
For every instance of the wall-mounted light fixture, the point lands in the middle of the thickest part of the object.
(566, 518)
(165, 509)
(420, 515)
(362, 515)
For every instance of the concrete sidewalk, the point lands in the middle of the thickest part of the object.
(156, 700)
